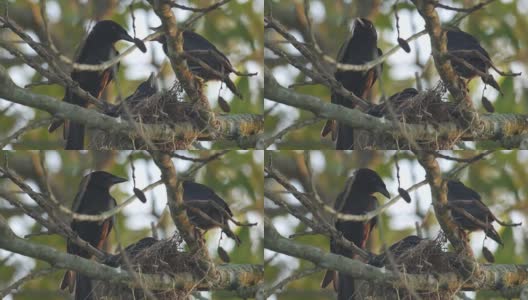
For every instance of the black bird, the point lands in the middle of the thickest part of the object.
(397, 250)
(93, 198)
(462, 197)
(146, 89)
(200, 48)
(98, 48)
(359, 48)
(131, 251)
(83, 285)
(396, 101)
(458, 43)
(357, 199)
(199, 196)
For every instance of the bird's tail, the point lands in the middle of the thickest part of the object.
(56, 124)
(68, 281)
(232, 87)
(345, 137)
(75, 137)
(345, 287)
(83, 290)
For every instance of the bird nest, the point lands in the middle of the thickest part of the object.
(428, 257)
(161, 257)
(425, 108)
(167, 108)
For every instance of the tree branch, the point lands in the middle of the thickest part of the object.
(230, 277)
(506, 128)
(494, 277)
(227, 127)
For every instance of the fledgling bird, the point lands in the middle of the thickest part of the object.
(396, 101)
(199, 47)
(98, 48)
(459, 41)
(146, 89)
(93, 198)
(202, 197)
(470, 201)
(360, 47)
(357, 199)
(397, 250)
(131, 251)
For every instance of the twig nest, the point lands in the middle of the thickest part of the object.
(167, 108)
(150, 257)
(427, 107)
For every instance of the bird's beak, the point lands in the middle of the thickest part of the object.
(116, 180)
(139, 43)
(360, 21)
(383, 190)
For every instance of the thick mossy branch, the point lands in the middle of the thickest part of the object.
(492, 277)
(229, 277)
(226, 127)
(497, 127)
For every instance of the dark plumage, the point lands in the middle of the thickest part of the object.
(397, 249)
(357, 198)
(131, 251)
(93, 198)
(458, 40)
(146, 89)
(98, 48)
(199, 47)
(467, 199)
(201, 197)
(396, 101)
(359, 48)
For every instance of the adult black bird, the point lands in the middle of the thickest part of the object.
(93, 198)
(146, 89)
(360, 47)
(98, 48)
(460, 44)
(357, 199)
(203, 198)
(462, 197)
(200, 48)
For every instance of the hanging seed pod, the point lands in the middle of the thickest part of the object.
(403, 193)
(404, 45)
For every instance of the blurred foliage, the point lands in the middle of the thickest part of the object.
(237, 177)
(235, 29)
(499, 178)
(499, 26)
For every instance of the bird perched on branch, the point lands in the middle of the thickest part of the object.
(356, 199)
(479, 217)
(208, 62)
(359, 48)
(93, 198)
(466, 47)
(98, 48)
(198, 197)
